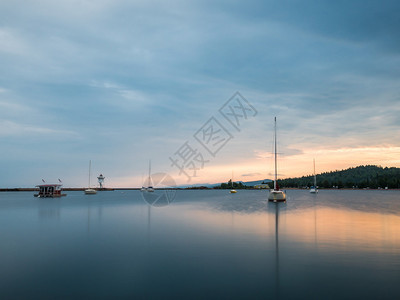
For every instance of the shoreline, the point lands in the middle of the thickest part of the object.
(36, 189)
(134, 189)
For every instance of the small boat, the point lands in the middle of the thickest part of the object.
(276, 195)
(49, 191)
(142, 189)
(90, 191)
(150, 185)
(232, 191)
(314, 189)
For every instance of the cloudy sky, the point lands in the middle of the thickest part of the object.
(121, 82)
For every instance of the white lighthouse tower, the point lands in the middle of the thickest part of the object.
(101, 180)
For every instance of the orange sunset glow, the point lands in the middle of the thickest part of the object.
(309, 225)
(261, 166)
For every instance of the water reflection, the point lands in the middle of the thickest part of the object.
(92, 216)
(49, 209)
(148, 222)
(277, 275)
(313, 221)
(206, 244)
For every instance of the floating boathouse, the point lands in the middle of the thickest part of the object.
(49, 190)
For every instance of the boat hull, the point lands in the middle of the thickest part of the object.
(233, 191)
(53, 196)
(276, 196)
(90, 192)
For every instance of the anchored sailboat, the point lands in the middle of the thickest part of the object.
(90, 191)
(314, 189)
(232, 191)
(276, 194)
(150, 185)
(142, 188)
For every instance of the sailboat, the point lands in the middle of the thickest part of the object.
(142, 188)
(275, 194)
(90, 191)
(232, 191)
(314, 189)
(150, 186)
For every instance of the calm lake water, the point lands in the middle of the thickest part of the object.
(205, 245)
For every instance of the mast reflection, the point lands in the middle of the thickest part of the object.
(90, 214)
(148, 223)
(278, 206)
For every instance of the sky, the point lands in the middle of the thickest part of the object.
(123, 82)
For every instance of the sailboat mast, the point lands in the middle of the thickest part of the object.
(276, 166)
(150, 173)
(315, 177)
(90, 166)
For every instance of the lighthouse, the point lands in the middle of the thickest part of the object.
(101, 180)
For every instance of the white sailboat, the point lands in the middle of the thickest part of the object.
(90, 191)
(142, 188)
(232, 191)
(276, 195)
(314, 188)
(150, 184)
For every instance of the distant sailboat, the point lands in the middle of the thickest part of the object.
(150, 184)
(276, 195)
(232, 191)
(142, 188)
(314, 189)
(90, 191)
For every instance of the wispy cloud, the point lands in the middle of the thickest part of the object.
(9, 128)
(124, 96)
(251, 174)
(12, 107)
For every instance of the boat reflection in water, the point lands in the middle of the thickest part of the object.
(277, 275)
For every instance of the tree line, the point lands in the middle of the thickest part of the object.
(234, 185)
(368, 176)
